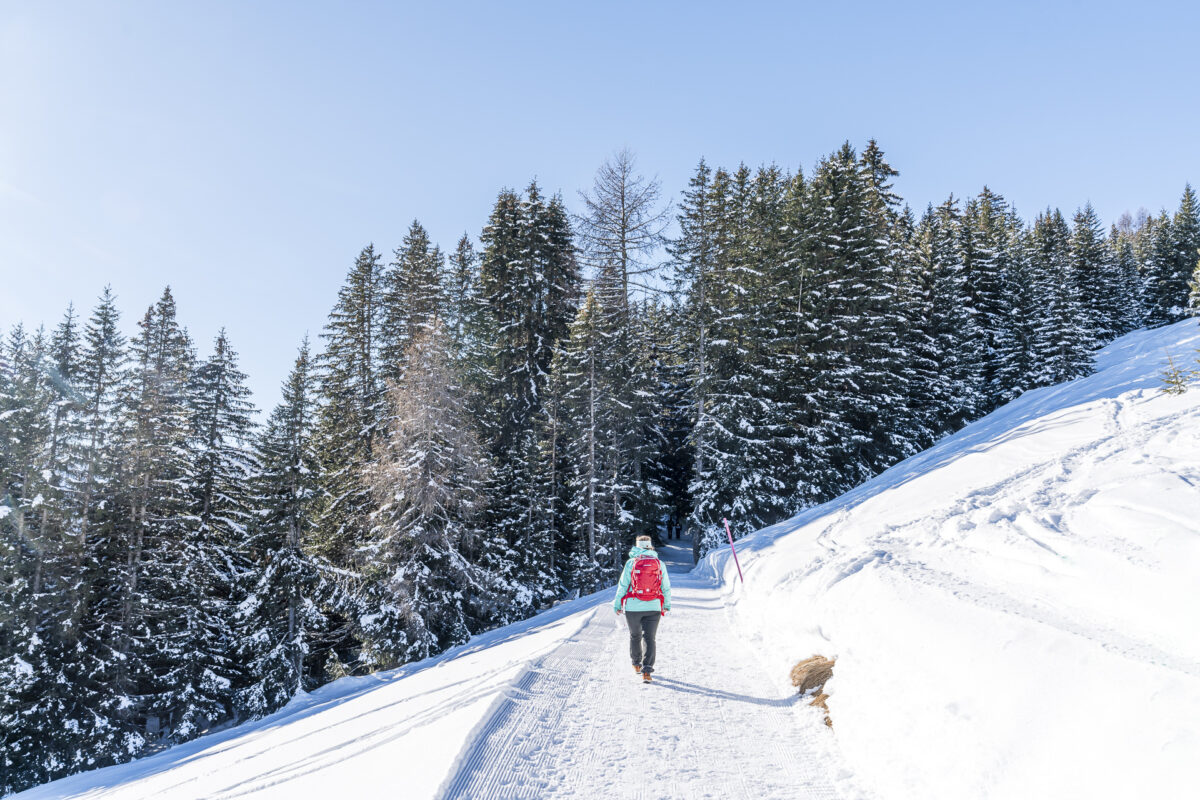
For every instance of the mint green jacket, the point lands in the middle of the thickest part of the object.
(634, 604)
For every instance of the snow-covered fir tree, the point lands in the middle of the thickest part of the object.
(987, 253)
(949, 395)
(529, 285)
(283, 615)
(585, 417)
(1063, 338)
(694, 265)
(413, 295)
(214, 571)
(1094, 271)
(138, 542)
(351, 410)
(1128, 302)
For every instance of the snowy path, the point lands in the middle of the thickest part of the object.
(579, 723)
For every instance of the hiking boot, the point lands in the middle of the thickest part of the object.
(646, 678)
(637, 669)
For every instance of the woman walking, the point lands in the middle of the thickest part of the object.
(644, 596)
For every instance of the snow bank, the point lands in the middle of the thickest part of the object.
(1013, 612)
(391, 734)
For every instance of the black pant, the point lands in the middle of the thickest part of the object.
(642, 625)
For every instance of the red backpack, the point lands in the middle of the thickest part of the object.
(645, 580)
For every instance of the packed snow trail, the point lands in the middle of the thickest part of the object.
(580, 724)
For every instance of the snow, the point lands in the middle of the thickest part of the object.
(368, 734)
(21, 668)
(5, 511)
(1012, 613)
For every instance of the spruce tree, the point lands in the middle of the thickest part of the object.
(950, 392)
(1018, 362)
(1194, 291)
(529, 284)
(579, 366)
(1185, 228)
(694, 265)
(413, 296)
(853, 343)
(147, 542)
(1126, 299)
(49, 706)
(462, 309)
(351, 411)
(1063, 341)
(284, 611)
(1094, 273)
(747, 485)
(987, 252)
(213, 569)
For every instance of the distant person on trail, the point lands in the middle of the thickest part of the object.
(644, 595)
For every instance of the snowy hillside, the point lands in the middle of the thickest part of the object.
(1012, 613)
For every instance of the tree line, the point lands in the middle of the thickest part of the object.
(482, 432)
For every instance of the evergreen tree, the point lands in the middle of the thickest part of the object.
(579, 365)
(1125, 299)
(987, 253)
(284, 609)
(425, 595)
(695, 266)
(1094, 273)
(149, 537)
(1063, 342)
(1186, 247)
(461, 290)
(747, 484)
(529, 282)
(413, 297)
(671, 468)
(855, 343)
(1169, 256)
(950, 392)
(47, 704)
(1018, 363)
(1194, 293)
(213, 566)
(106, 733)
(24, 409)
(352, 408)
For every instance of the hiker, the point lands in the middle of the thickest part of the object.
(644, 595)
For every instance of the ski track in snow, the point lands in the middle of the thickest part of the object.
(580, 724)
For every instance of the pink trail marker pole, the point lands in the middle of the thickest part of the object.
(734, 549)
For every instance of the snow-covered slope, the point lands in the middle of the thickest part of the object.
(1014, 614)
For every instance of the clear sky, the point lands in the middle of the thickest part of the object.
(243, 152)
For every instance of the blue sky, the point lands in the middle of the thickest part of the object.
(243, 152)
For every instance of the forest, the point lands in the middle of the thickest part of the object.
(481, 431)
